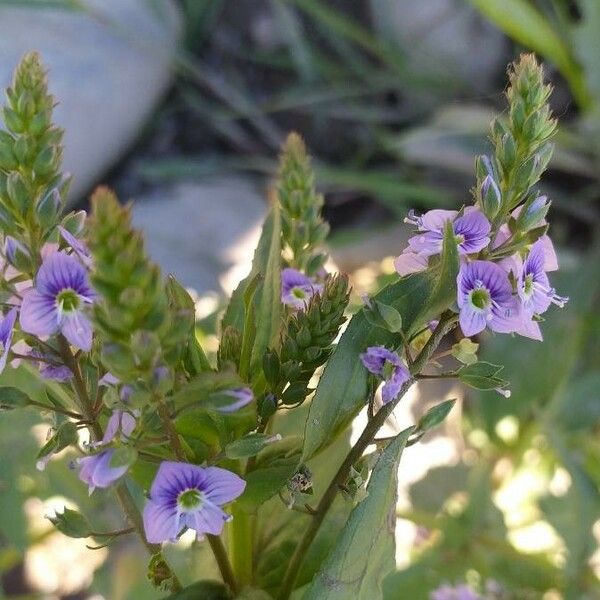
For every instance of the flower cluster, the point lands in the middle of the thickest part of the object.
(502, 283)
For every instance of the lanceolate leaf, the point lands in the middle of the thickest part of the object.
(342, 389)
(264, 263)
(268, 297)
(481, 375)
(444, 292)
(364, 553)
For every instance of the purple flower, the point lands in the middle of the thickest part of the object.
(485, 299)
(389, 366)
(120, 421)
(471, 230)
(460, 592)
(533, 285)
(297, 289)
(57, 302)
(187, 496)
(96, 470)
(50, 370)
(242, 396)
(6, 334)
(78, 246)
(410, 262)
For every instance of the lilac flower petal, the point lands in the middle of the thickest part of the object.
(78, 246)
(427, 243)
(55, 372)
(410, 262)
(187, 495)
(506, 318)
(96, 470)
(530, 329)
(392, 386)
(550, 258)
(173, 477)
(76, 327)
(61, 271)
(109, 379)
(6, 334)
(297, 289)
(491, 283)
(222, 486)
(242, 397)
(375, 357)
(120, 420)
(435, 220)
(502, 236)
(209, 519)
(39, 315)
(472, 321)
(161, 522)
(474, 228)
(104, 475)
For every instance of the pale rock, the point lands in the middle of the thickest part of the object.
(204, 233)
(107, 67)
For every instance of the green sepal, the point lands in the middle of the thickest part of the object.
(64, 436)
(71, 523)
(435, 416)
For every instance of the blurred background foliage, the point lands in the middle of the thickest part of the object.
(394, 99)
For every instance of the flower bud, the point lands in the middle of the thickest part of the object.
(75, 222)
(17, 254)
(48, 208)
(491, 199)
(533, 213)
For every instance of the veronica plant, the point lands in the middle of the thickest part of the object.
(246, 452)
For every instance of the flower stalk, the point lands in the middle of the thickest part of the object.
(367, 437)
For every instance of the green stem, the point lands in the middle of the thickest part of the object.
(240, 544)
(446, 322)
(121, 491)
(220, 553)
(216, 543)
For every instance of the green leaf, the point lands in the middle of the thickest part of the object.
(205, 590)
(264, 483)
(342, 389)
(443, 294)
(11, 397)
(194, 357)
(234, 314)
(481, 375)
(436, 415)
(250, 445)
(72, 523)
(527, 25)
(382, 315)
(197, 393)
(364, 553)
(268, 296)
(65, 435)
